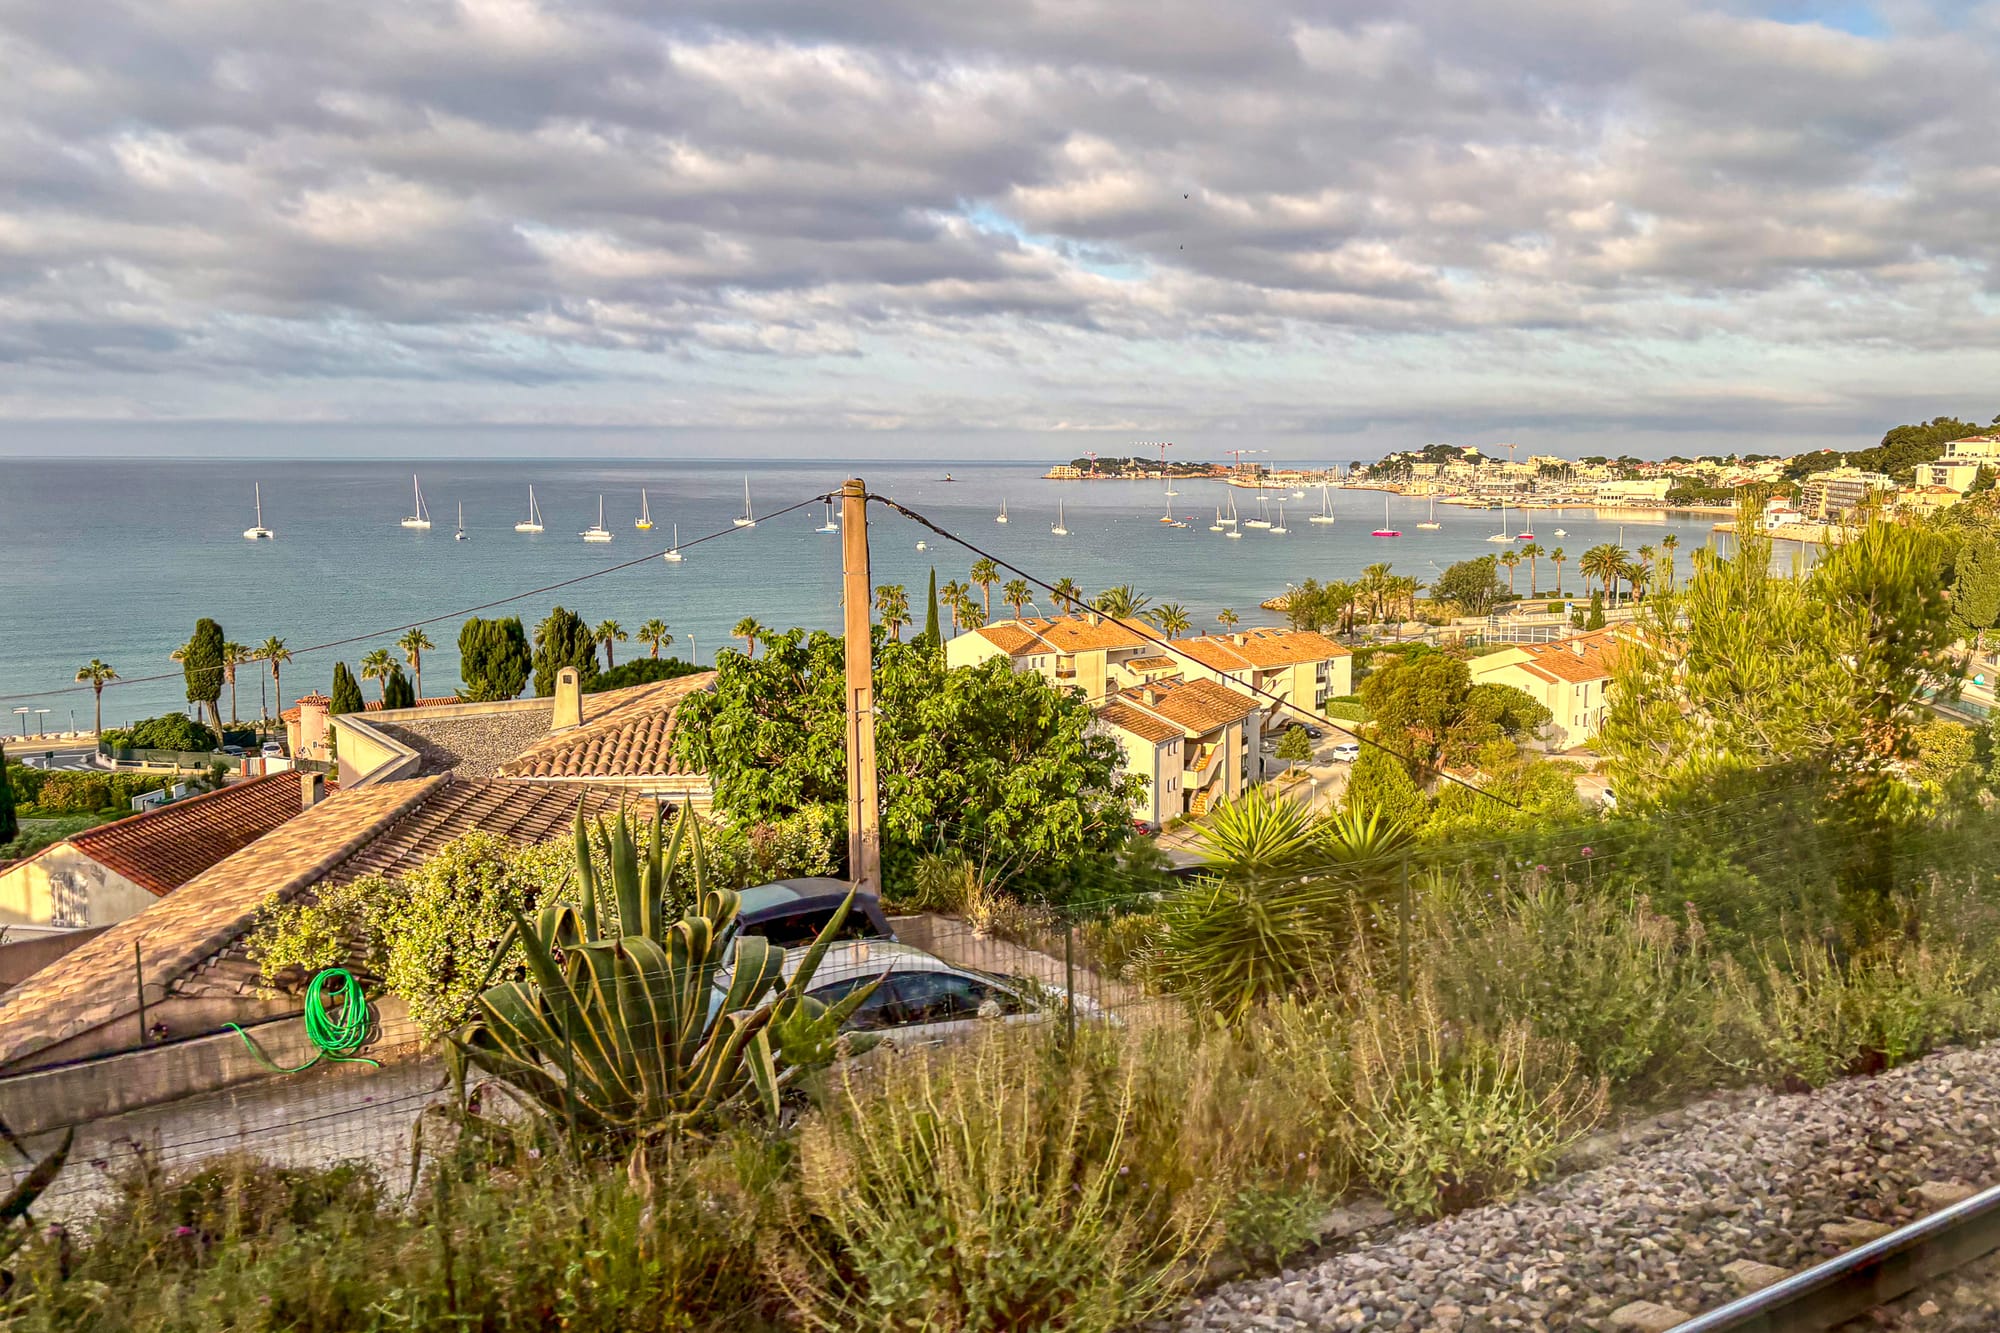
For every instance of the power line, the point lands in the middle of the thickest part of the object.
(448, 615)
(1171, 647)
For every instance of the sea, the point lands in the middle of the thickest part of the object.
(117, 558)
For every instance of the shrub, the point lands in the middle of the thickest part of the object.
(984, 1188)
(642, 671)
(1345, 711)
(1224, 947)
(1449, 1117)
(169, 731)
(9, 826)
(65, 792)
(1113, 945)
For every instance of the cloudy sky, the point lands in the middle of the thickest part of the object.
(899, 225)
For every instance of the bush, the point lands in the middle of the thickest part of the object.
(78, 792)
(1555, 608)
(1345, 711)
(169, 731)
(642, 671)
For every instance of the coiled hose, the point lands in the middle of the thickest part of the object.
(336, 1029)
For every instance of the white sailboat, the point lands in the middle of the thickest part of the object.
(533, 522)
(1325, 514)
(1263, 519)
(673, 553)
(1279, 529)
(1168, 517)
(1002, 518)
(1230, 522)
(1059, 530)
(1431, 524)
(1217, 525)
(645, 520)
(748, 519)
(422, 518)
(459, 536)
(260, 533)
(600, 533)
(830, 525)
(1503, 535)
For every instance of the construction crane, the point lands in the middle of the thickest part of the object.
(1091, 454)
(1238, 455)
(1163, 446)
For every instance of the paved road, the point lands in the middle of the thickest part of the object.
(68, 755)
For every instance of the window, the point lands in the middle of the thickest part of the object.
(879, 1010)
(943, 997)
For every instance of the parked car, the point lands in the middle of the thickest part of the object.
(791, 912)
(923, 1000)
(1145, 828)
(1346, 752)
(233, 751)
(273, 750)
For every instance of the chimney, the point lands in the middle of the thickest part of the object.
(312, 789)
(568, 713)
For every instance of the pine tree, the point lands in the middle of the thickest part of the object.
(563, 640)
(1295, 746)
(346, 692)
(9, 826)
(1380, 784)
(493, 659)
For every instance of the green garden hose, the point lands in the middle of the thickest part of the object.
(335, 1033)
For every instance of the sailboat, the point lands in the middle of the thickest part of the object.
(459, 536)
(1002, 518)
(1235, 532)
(1385, 530)
(1168, 517)
(1431, 524)
(422, 518)
(1059, 530)
(830, 525)
(600, 533)
(260, 533)
(645, 520)
(1325, 514)
(673, 553)
(1263, 519)
(748, 519)
(1503, 535)
(1217, 525)
(1279, 529)
(533, 523)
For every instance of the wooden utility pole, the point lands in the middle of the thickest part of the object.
(864, 833)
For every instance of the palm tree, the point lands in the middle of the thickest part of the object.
(1372, 590)
(376, 664)
(1120, 602)
(954, 596)
(97, 675)
(1532, 551)
(273, 650)
(1340, 603)
(1017, 594)
(1669, 543)
(607, 633)
(748, 630)
(233, 655)
(1557, 557)
(1512, 560)
(892, 604)
(985, 574)
(1602, 562)
(654, 633)
(1227, 618)
(1171, 618)
(1067, 594)
(1635, 573)
(415, 643)
(1647, 555)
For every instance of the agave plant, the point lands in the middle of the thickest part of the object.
(1353, 834)
(1258, 834)
(641, 1027)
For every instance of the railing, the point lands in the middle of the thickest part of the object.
(164, 758)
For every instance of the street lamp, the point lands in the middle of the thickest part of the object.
(22, 713)
(41, 722)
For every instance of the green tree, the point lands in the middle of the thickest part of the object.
(1227, 618)
(1512, 560)
(892, 608)
(10, 825)
(563, 640)
(97, 675)
(1379, 783)
(984, 575)
(751, 631)
(1604, 562)
(273, 650)
(233, 655)
(1595, 620)
(956, 598)
(415, 643)
(607, 633)
(642, 671)
(1120, 602)
(493, 659)
(1016, 595)
(1471, 585)
(655, 635)
(933, 630)
(346, 693)
(1531, 553)
(201, 668)
(1067, 594)
(1295, 747)
(1668, 545)
(1558, 558)
(376, 664)
(1975, 586)
(997, 762)
(1171, 619)
(397, 691)
(1426, 709)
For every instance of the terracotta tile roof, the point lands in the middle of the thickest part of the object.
(162, 849)
(1160, 663)
(626, 733)
(1578, 660)
(96, 984)
(1072, 634)
(1198, 705)
(1011, 639)
(1140, 724)
(1261, 649)
(371, 706)
(520, 812)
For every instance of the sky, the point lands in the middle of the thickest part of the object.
(1017, 227)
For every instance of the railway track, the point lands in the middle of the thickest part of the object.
(1871, 1274)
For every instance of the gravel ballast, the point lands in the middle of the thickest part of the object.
(1659, 1214)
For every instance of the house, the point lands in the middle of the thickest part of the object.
(308, 723)
(1191, 740)
(1956, 474)
(1569, 677)
(1829, 496)
(1302, 667)
(103, 875)
(1087, 652)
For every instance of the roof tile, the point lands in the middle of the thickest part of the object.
(626, 733)
(162, 849)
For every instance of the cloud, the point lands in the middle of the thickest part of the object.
(1392, 215)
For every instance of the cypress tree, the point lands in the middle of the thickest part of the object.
(201, 667)
(563, 640)
(9, 826)
(397, 692)
(931, 630)
(493, 658)
(346, 692)
(1595, 620)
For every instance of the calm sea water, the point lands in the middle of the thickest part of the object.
(117, 558)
